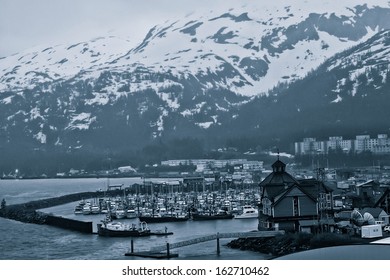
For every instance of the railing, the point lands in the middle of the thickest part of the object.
(216, 236)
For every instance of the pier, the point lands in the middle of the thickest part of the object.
(28, 212)
(158, 251)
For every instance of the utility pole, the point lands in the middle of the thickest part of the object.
(320, 180)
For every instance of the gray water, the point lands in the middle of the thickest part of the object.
(40, 242)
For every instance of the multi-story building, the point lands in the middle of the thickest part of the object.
(362, 143)
(337, 142)
(310, 146)
(293, 205)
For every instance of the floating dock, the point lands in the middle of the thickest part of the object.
(152, 255)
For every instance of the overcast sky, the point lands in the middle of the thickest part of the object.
(29, 23)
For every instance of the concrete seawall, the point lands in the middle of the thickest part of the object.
(80, 226)
(27, 212)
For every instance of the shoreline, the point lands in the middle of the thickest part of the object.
(272, 247)
(290, 243)
(27, 212)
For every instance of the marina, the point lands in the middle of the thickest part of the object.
(144, 209)
(43, 239)
(143, 218)
(156, 204)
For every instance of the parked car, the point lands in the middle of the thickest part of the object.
(386, 229)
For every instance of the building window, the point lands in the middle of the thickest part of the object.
(295, 206)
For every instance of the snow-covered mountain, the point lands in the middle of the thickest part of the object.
(346, 96)
(253, 43)
(210, 75)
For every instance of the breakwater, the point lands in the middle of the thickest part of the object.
(28, 212)
(289, 243)
(273, 246)
(81, 226)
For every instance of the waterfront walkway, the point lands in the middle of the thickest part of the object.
(158, 250)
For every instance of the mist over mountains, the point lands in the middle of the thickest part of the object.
(244, 77)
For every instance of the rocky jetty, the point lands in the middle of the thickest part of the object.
(293, 242)
(22, 214)
(27, 212)
(274, 246)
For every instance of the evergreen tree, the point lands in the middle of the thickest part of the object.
(3, 204)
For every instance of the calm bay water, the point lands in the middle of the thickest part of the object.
(29, 241)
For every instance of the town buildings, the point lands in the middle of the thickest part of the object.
(208, 164)
(294, 205)
(241, 169)
(361, 143)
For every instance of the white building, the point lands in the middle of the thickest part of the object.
(206, 164)
(362, 143)
(310, 146)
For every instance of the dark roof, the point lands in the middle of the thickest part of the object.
(279, 175)
(311, 195)
(373, 211)
(383, 197)
(275, 190)
(313, 187)
(279, 182)
(278, 163)
(279, 178)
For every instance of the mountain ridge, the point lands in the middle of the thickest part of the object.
(217, 77)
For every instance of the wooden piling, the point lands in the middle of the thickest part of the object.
(218, 248)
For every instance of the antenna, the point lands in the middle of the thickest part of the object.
(278, 153)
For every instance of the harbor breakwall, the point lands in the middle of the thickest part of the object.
(80, 226)
(28, 212)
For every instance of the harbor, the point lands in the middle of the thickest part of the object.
(119, 246)
(135, 214)
(185, 217)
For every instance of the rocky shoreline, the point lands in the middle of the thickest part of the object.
(28, 212)
(273, 246)
(293, 242)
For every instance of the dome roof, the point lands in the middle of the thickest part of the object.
(279, 176)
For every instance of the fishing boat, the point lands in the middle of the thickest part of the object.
(95, 209)
(110, 228)
(87, 209)
(131, 214)
(120, 213)
(248, 212)
(220, 215)
(163, 219)
(78, 209)
(118, 229)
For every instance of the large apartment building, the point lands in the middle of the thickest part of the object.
(362, 143)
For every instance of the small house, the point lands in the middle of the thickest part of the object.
(379, 214)
(293, 205)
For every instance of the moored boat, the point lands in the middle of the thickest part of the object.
(163, 219)
(120, 213)
(78, 209)
(118, 229)
(248, 212)
(211, 216)
(87, 209)
(131, 214)
(95, 209)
